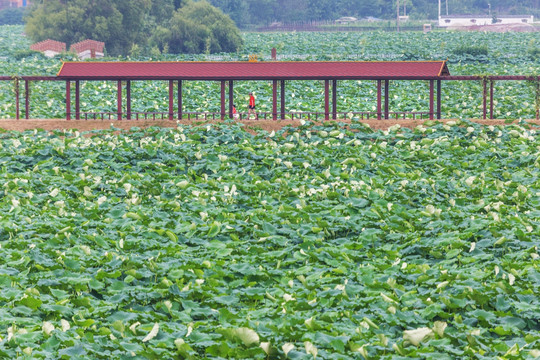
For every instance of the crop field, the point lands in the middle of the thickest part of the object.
(327, 242)
(321, 241)
(509, 54)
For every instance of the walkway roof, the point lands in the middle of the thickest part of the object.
(283, 70)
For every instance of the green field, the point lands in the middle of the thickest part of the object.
(327, 241)
(509, 54)
(209, 242)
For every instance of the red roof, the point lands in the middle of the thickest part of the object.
(49, 45)
(413, 70)
(88, 44)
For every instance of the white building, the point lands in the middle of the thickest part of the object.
(480, 20)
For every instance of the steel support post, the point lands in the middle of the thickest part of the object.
(334, 99)
(379, 99)
(274, 99)
(68, 100)
(431, 99)
(128, 99)
(119, 99)
(439, 96)
(171, 99)
(26, 100)
(386, 99)
(282, 104)
(231, 98)
(180, 112)
(326, 100)
(77, 99)
(223, 100)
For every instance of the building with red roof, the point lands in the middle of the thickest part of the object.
(49, 47)
(89, 49)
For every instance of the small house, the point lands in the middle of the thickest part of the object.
(49, 47)
(481, 20)
(88, 49)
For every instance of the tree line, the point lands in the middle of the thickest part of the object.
(129, 26)
(212, 26)
(245, 12)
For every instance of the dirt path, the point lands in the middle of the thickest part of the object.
(268, 125)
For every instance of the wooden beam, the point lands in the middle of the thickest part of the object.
(171, 99)
(68, 100)
(379, 99)
(128, 99)
(484, 97)
(223, 99)
(386, 99)
(17, 100)
(282, 99)
(326, 100)
(26, 99)
(119, 99)
(334, 99)
(439, 97)
(274, 99)
(231, 98)
(431, 99)
(491, 86)
(77, 99)
(180, 111)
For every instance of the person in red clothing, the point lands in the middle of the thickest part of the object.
(234, 112)
(251, 106)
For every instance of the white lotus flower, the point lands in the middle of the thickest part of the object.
(288, 297)
(11, 333)
(287, 347)
(473, 246)
(47, 328)
(86, 249)
(310, 349)
(178, 343)
(511, 279)
(288, 164)
(65, 325)
(152, 334)
(182, 184)
(438, 327)
(266, 347)
(247, 336)
(416, 336)
(534, 353)
(133, 327)
(101, 200)
(54, 192)
(388, 299)
(222, 158)
(469, 181)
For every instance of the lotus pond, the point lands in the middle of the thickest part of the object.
(327, 242)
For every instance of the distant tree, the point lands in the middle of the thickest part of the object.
(117, 23)
(238, 10)
(11, 16)
(198, 27)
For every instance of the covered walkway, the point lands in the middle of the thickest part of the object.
(277, 72)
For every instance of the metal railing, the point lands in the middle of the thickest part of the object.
(294, 115)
